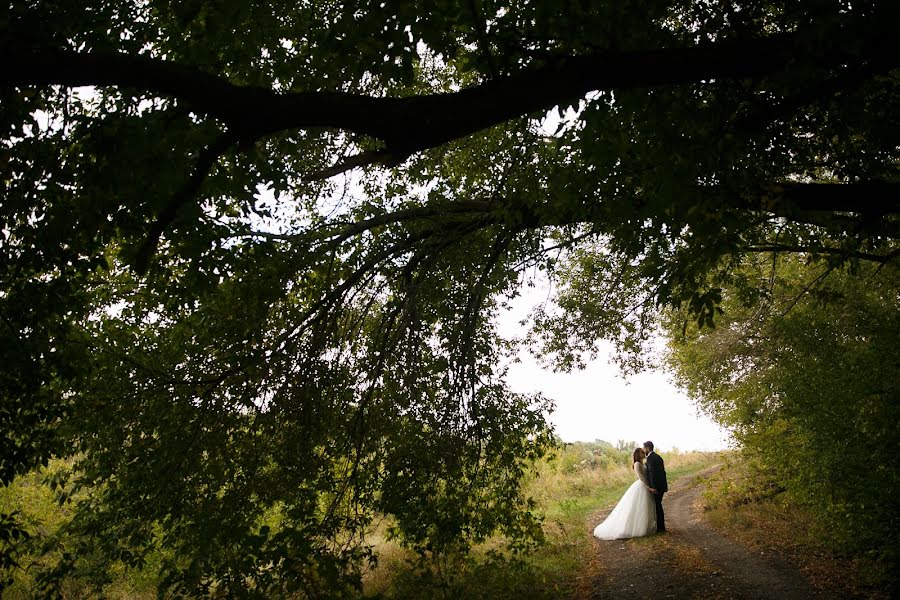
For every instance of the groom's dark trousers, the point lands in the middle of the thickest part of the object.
(660, 516)
(656, 473)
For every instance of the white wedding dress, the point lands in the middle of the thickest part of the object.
(634, 515)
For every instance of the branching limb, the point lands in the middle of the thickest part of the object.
(337, 233)
(186, 193)
(878, 258)
(416, 123)
(534, 257)
(809, 286)
(363, 159)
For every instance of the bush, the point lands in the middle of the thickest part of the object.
(809, 383)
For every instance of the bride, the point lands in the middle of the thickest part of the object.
(635, 514)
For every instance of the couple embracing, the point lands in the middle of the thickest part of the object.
(640, 510)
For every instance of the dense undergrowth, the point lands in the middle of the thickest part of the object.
(566, 488)
(580, 479)
(744, 501)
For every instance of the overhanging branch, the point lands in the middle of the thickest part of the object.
(856, 254)
(184, 195)
(419, 122)
(850, 207)
(363, 159)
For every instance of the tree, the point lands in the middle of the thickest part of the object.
(211, 351)
(806, 379)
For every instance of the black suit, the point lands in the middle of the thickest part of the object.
(656, 473)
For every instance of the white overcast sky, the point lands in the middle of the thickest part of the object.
(597, 403)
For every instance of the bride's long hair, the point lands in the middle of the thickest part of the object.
(638, 455)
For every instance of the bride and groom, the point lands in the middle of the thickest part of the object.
(640, 510)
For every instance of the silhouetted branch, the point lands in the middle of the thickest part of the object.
(415, 123)
(878, 258)
(185, 194)
(363, 159)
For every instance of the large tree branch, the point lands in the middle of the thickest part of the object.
(869, 207)
(418, 122)
(874, 198)
(864, 207)
(794, 201)
(775, 248)
(415, 123)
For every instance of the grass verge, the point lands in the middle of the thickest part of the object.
(765, 519)
(571, 496)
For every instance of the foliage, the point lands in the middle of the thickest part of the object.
(213, 328)
(806, 379)
(567, 487)
(743, 499)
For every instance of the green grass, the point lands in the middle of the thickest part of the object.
(568, 492)
(44, 517)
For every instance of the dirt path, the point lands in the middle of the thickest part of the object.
(691, 560)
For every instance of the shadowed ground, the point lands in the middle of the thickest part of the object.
(692, 560)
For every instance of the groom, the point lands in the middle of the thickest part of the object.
(656, 473)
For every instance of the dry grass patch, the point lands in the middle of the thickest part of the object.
(686, 559)
(690, 560)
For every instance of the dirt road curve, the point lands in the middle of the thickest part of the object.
(691, 561)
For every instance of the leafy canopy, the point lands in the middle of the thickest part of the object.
(219, 326)
(806, 378)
